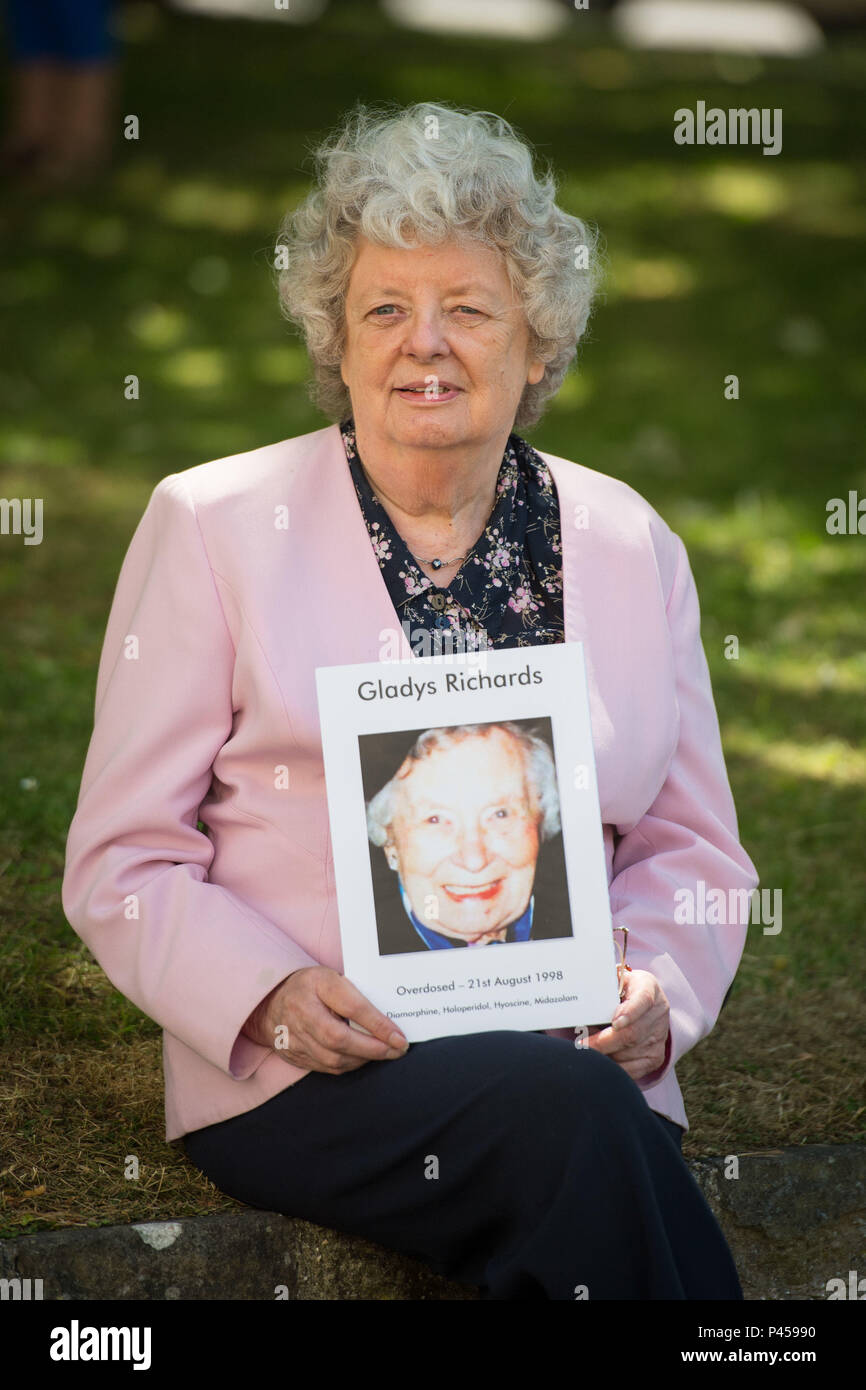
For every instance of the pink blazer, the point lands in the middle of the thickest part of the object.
(206, 689)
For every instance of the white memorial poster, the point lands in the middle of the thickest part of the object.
(468, 847)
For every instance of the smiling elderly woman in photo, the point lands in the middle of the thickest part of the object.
(442, 294)
(461, 824)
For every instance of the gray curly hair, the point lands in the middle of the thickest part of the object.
(429, 173)
(538, 761)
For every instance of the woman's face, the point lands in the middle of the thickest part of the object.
(445, 312)
(464, 837)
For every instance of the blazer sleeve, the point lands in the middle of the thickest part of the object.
(688, 834)
(187, 952)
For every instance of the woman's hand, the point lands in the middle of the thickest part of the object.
(638, 1031)
(305, 1021)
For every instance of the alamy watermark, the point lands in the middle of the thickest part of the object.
(20, 1290)
(77, 1343)
(736, 126)
(436, 644)
(714, 907)
(22, 516)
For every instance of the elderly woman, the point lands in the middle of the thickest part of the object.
(467, 877)
(442, 293)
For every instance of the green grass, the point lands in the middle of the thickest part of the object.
(721, 261)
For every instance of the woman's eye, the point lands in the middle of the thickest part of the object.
(381, 310)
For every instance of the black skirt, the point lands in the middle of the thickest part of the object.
(512, 1161)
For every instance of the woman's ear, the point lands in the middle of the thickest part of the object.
(391, 856)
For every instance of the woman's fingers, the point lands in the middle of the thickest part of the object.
(348, 1002)
(636, 1031)
(640, 991)
(637, 1035)
(638, 1060)
(308, 1020)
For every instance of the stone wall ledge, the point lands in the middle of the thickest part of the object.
(795, 1218)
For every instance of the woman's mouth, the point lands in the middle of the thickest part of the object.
(459, 893)
(427, 395)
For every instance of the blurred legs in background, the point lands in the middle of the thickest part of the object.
(59, 123)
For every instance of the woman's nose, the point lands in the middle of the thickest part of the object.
(425, 335)
(472, 849)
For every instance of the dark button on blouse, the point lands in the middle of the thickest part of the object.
(508, 592)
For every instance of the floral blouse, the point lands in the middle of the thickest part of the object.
(508, 592)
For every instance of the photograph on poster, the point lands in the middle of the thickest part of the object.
(465, 836)
(464, 812)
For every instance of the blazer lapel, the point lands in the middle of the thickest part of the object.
(338, 562)
(609, 573)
